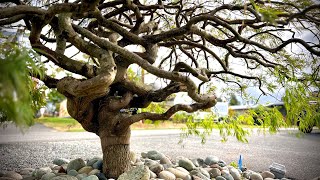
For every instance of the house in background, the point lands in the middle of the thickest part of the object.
(240, 109)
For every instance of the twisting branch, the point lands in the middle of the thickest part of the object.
(66, 63)
(125, 123)
(49, 81)
(133, 58)
(12, 19)
(115, 103)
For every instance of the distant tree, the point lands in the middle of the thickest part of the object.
(219, 99)
(55, 98)
(184, 43)
(233, 100)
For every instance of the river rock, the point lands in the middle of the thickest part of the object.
(91, 177)
(48, 176)
(211, 160)
(165, 160)
(133, 157)
(214, 172)
(149, 162)
(228, 176)
(194, 177)
(85, 170)
(152, 174)
(60, 161)
(156, 168)
(56, 169)
(246, 174)
(200, 162)
(222, 163)
(139, 172)
(73, 172)
(139, 163)
(235, 173)
(26, 171)
(214, 166)
(144, 155)
(198, 173)
(81, 176)
(94, 172)
(155, 155)
(101, 176)
(64, 177)
(179, 174)
(186, 163)
(76, 164)
(93, 160)
(38, 173)
(183, 170)
(256, 176)
(267, 174)
(13, 175)
(220, 178)
(203, 171)
(195, 162)
(224, 170)
(98, 164)
(166, 175)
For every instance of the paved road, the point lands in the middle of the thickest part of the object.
(40, 145)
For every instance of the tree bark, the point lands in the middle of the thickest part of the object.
(116, 158)
(115, 147)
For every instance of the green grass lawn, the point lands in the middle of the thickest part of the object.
(61, 124)
(71, 125)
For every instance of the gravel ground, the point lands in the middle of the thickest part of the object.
(15, 156)
(300, 156)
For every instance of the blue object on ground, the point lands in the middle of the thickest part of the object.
(240, 162)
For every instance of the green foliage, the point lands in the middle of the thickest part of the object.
(268, 14)
(61, 124)
(55, 98)
(267, 117)
(234, 164)
(58, 120)
(20, 95)
(181, 117)
(302, 106)
(202, 129)
(155, 108)
(233, 100)
(233, 127)
(133, 75)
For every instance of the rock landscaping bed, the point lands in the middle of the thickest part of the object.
(150, 165)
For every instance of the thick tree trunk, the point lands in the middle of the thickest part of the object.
(116, 159)
(115, 147)
(103, 117)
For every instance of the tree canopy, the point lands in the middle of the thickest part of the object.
(190, 46)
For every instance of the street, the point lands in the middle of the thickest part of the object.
(40, 145)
